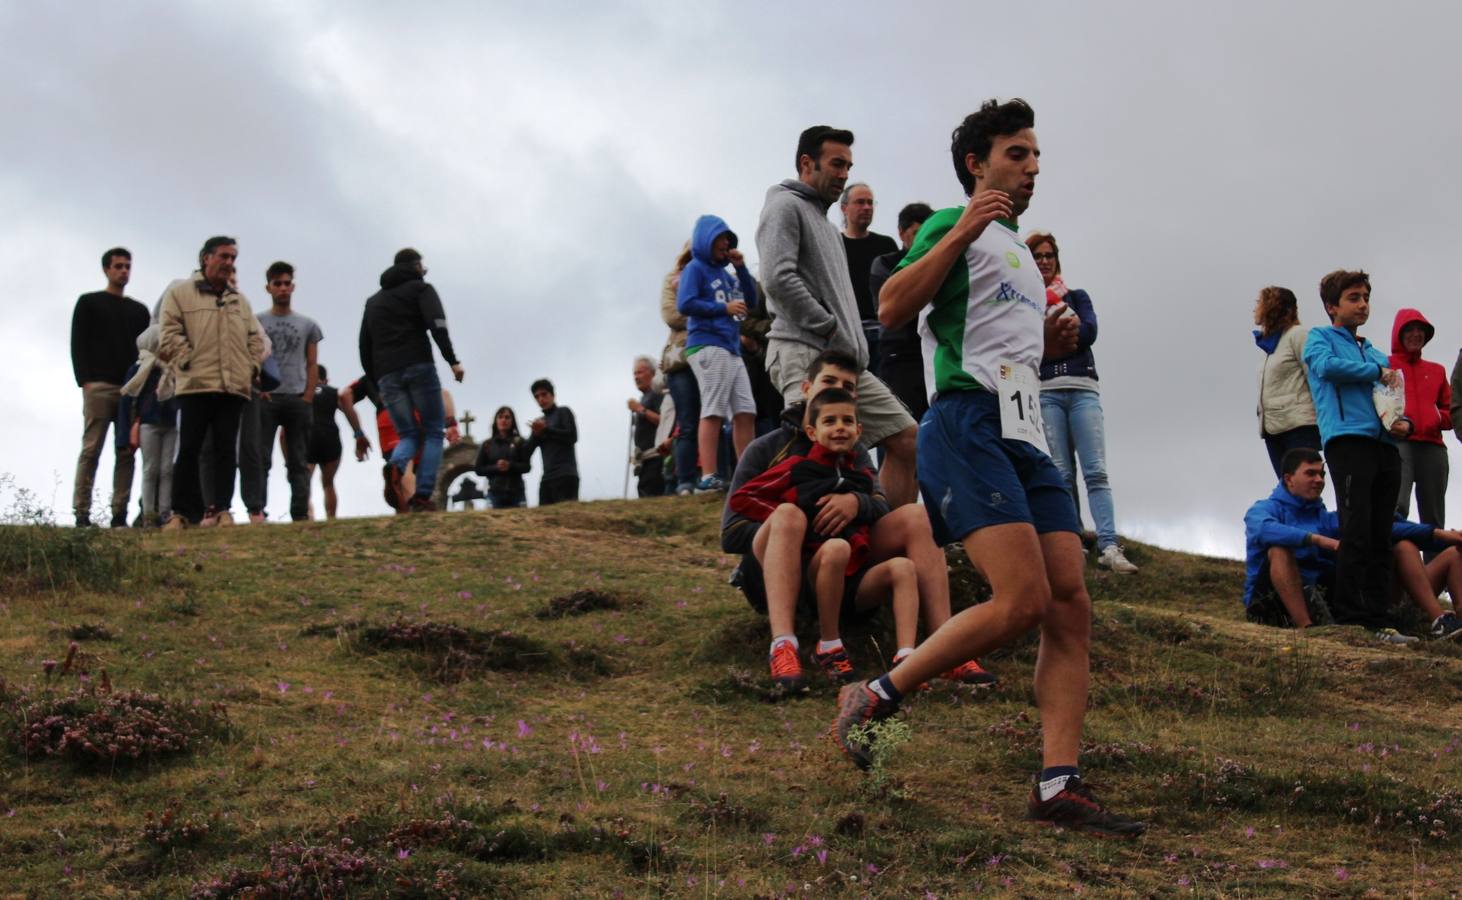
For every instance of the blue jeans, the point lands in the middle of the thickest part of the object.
(1074, 428)
(408, 393)
(687, 396)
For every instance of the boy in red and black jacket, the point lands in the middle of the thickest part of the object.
(835, 563)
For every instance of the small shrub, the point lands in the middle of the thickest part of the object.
(97, 728)
(882, 739)
(577, 604)
(169, 830)
(297, 870)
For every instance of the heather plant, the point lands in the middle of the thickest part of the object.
(170, 829)
(93, 727)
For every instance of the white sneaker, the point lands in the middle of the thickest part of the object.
(1392, 636)
(1112, 558)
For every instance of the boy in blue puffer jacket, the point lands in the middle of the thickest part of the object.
(1290, 539)
(1343, 371)
(714, 302)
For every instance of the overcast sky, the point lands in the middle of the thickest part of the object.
(549, 160)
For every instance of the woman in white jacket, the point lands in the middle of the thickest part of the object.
(1286, 413)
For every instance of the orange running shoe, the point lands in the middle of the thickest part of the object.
(970, 673)
(787, 668)
(835, 665)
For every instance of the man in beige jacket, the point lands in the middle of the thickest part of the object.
(213, 343)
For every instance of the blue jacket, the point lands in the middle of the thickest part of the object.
(1342, 374)
(1284, 520)
(145, 406)
(705, 289)
(1080, 363)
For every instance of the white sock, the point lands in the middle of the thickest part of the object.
(876, 686)
(1053, 786)
(784, 639)
(829, 646)
(902, 652)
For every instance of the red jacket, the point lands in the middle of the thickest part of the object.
(1428, 393)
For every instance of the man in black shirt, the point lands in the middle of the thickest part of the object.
(555, 433)
(397, 358)
(104, 329)
(648, 464)
(901, 363)
(863, 247)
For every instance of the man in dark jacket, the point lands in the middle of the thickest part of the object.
(555, 434)
(397, 358)
(104, 329)
(771, 573)
(901, 352)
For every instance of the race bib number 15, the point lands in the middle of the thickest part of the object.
(1020, 405)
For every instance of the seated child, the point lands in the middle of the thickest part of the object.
(835, 563)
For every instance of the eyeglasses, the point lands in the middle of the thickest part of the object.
(1044, 256)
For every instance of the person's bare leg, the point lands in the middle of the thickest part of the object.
(1284, 574)
(708, 434)
(1009, 556)
(743, 431)
(778, 547)
(1410, 575)
(826, 570)
(897, 578)
(408, 480)
(1063, 665)
(1445, 571)
(327, 480)
(897, 475)
(906, 532)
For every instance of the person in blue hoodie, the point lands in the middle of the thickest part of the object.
(1343, 370)
(1291, 540)
(715, 301)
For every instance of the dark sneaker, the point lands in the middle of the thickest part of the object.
(420, 503)
(970, 673)
(84, 522)
(858, 705)
(835, 665)
(787, 668)
(1447, 625)
(1075, 808)
(392, 492)
(119, 520)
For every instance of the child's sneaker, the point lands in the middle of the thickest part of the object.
(711, 483)
(835, 665)
(858, 705)
(787, 668)
(970, 672)
(1075, 808)
(1392, 636)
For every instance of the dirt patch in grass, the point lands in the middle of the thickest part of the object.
(578, 603)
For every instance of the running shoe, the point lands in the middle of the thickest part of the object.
(835, 665)
(1447, 625)
(1112, 558)
(787, 668)
(858, 705)
(711, 483)
(392, 491)
(1392, 636)
(1075, 808)
(970, 672)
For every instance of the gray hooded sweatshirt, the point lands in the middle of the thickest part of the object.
(804, 273)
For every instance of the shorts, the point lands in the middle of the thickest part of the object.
(724, 385)
(749, 580)
(1265, 607)
(325, 449)
(881, 414)
(972, 478)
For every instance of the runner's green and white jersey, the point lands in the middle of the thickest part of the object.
(991, 306)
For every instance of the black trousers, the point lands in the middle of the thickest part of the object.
(199, 416)
(294, 415)
(651, 478)
(559, 490)
(1367, 475)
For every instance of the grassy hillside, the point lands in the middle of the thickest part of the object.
(571, 700)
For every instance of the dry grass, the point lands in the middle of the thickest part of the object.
(494, 749)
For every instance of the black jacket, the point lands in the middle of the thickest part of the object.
(557, 443)
(104, 331)
(504, 485)
(397, 318)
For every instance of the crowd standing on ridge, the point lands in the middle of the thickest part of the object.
(827, 395)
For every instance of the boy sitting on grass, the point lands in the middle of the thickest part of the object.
(835, 564)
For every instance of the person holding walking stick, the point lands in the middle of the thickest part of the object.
(644, 419)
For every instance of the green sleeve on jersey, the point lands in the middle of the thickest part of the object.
(949, 306)
(930, 233)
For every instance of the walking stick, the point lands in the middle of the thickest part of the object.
(629, 458)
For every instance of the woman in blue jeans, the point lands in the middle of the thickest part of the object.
(1071, 405)
(681, 381)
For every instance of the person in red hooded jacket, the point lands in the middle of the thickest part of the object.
(1429, 407)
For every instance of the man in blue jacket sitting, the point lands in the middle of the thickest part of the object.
(1291, 541)
(1343, 371)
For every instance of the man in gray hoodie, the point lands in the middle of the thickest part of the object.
(804, 273)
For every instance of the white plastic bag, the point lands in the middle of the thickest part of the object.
(1390, 400)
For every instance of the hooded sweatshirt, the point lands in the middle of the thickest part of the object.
(804, 272)
(397, 318)
(1428, 394)
(706, 288)
(1342, 370)
(1284, 520)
